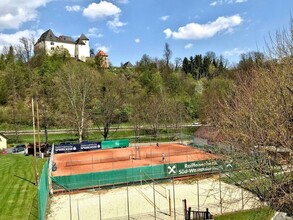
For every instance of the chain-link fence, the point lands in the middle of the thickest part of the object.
(152, 199)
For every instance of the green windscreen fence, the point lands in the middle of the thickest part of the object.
(136, 174)
(109, 144)
(43, 192)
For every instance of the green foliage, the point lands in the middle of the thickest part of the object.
(215, 91)
(136, 95)
(208, 66)
(253, 214)
(3, 89)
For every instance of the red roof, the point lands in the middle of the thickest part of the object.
(101, 53)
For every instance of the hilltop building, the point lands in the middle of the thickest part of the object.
(127, 65)
(102, 59)
(49, 43)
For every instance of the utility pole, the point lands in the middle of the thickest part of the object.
(35, 151)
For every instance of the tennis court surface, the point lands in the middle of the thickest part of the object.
(120, 158)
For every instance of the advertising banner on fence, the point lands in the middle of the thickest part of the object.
(189, 168)
(109, 144)
(67, 147)
(90, 146)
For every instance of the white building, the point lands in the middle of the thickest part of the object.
(48, 42)
(3, 141)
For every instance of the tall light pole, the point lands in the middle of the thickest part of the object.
(35, 158)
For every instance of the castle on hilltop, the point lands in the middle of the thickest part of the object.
(49, 43)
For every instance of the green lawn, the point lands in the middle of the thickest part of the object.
(254, 214)
(18, 195)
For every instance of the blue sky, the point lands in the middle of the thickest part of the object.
(127, 29)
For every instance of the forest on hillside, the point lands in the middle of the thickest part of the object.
(73, 94)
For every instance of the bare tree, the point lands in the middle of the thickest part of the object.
(178, 63)
(154, 113)
(111, 99)
(27, 46)
(255, 117)
(76, 84)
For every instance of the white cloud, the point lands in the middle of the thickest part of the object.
(234, 52)
(188, 46)
(137, 40)
(101, 10)
(14, 13)
(195, 31)
(120, 1)
(220, 2)
(102, 47)
(123, 1)
(13, 39)
(214, 3)
(104, 10)
(116, 24)
(168, 32)
(94, 32)
(164, 18)
(75, 8)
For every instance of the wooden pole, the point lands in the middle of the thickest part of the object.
(35, 158)
(38, 123)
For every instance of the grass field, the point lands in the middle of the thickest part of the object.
(18, 198)
(254, 214)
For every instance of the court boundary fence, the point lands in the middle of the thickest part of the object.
(134, 175)
(43, 192)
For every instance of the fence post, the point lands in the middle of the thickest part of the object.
(100, 205)
(242, 198)
(197, 195)
(70, 190)
(77, 210)
(189, 213)
(207, 216)
(154, 200)
(170, 207)
(174, 200)
(184, 208)
(70, 214)
(220, 186)
(127, 201)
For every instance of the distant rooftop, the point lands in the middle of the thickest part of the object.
(101, 53)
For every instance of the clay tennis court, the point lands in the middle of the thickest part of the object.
(120, 158)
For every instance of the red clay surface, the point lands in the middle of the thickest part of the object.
(113, 159)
